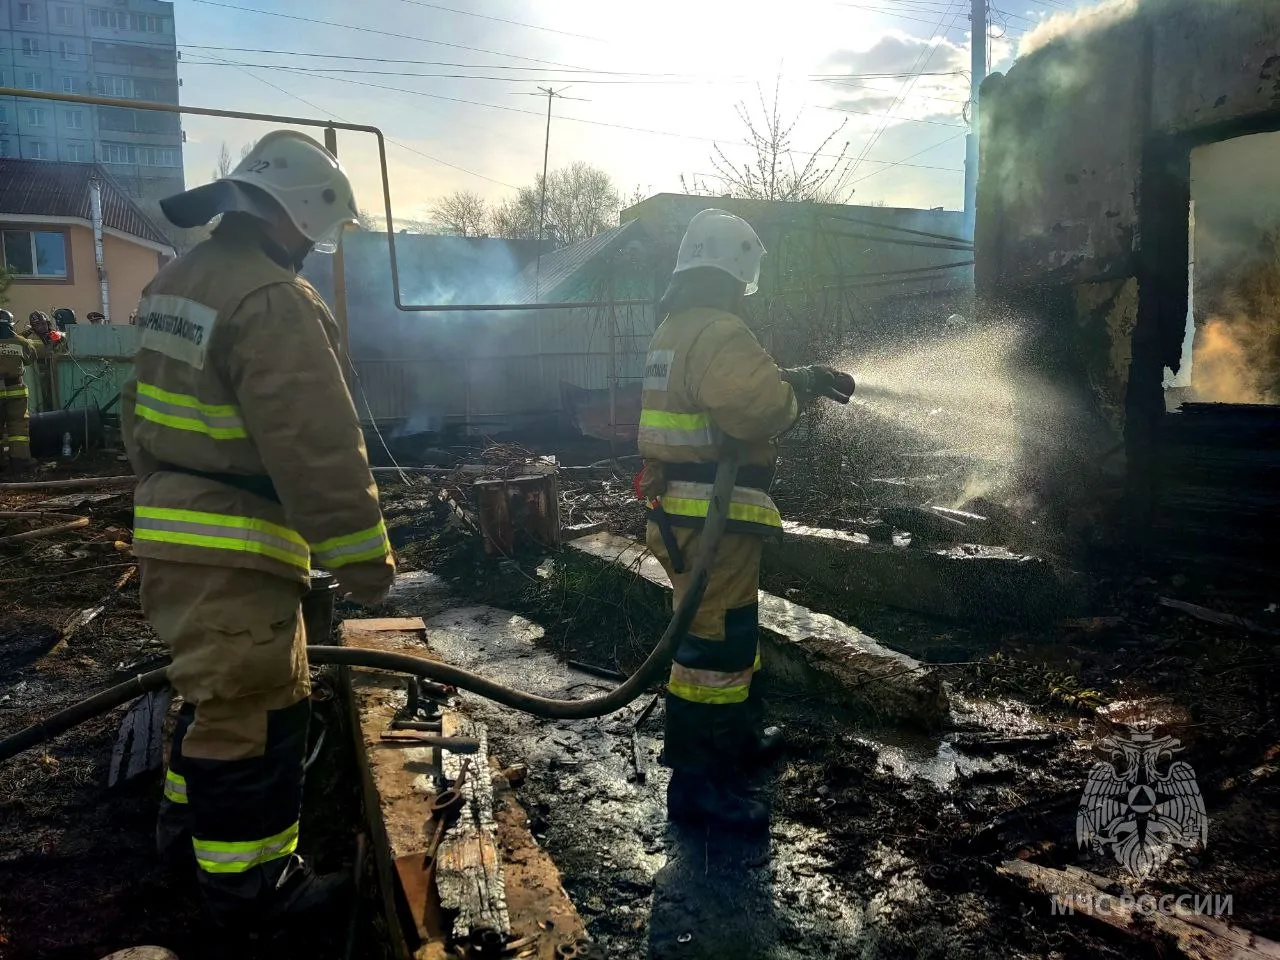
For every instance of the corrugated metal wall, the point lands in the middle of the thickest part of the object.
(98, 362)
(496, 368)
(484, 369)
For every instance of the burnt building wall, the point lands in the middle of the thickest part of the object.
(1084, 191)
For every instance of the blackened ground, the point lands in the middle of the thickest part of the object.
(79, 877)
(883, 846)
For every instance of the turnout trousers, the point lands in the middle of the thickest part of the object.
(235, 767)
(17, 420)
(709, 725)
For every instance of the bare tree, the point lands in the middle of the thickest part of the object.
(581, 202)
(223, 166)
(772, 173)
(462, 213)
(247, 148)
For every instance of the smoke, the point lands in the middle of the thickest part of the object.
(1075, 23)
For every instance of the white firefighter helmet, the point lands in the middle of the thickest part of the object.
(719, 239)
(295, 171)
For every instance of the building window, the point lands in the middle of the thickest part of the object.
(35, 253)
(117, 153)
(64, 16)
(147, 23)
(30, 47)
(4, 148)
(67, 50)
(37, 150)
(115, 86)
(75, 152)
(69, 85)
(158, 156)
(108, 19)
(75, 119)
(27, 12)
(31, 80)
(4, 114)
(35, 116)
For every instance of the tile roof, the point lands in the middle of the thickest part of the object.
(50, 188)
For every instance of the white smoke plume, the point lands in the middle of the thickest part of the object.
(1075, 23)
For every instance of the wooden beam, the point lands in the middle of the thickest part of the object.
(1196, 936)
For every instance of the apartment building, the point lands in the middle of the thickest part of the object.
(114, 48)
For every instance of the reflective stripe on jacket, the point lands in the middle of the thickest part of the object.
(750, 511)
(706, 376)
(237, 374)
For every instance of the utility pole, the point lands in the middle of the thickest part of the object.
(978, 69)
(542, 205)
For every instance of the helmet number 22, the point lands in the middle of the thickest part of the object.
(258, 166)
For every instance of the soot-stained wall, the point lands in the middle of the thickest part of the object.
(1084, 187)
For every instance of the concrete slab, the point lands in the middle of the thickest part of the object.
(814, 649)
(985, 584)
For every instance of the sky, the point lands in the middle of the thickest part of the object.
(648, 90)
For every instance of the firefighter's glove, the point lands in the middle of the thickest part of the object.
(818, 380)
(366, 583)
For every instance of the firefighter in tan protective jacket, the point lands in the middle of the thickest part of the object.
(252, 469)
(709, 382)
(16, 354)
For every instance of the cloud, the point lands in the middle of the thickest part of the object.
(897, 52)
(917, 61)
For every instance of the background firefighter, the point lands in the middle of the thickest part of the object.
(708, 382)
(16, 353)
(252, 467)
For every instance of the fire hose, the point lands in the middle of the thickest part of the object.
(658, 661)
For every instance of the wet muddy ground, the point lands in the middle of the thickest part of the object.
(880, 845)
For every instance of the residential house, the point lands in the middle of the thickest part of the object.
(47, 239)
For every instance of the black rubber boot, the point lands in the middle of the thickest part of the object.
(697, 798)
(301, 893)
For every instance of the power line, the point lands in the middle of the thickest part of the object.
(362, 71)
(402, 146)
(921, 63)
(822, 77)
(868, 113)
(571, 119)
(381, 33)
(515, 23)
(533, 113)
(903, 162)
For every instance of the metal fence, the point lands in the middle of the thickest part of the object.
(490, 370)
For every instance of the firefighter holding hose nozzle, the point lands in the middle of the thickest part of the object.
(707, 382)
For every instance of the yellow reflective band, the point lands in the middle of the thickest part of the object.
(19, 439)
(223, 856)
(190, 424)
(695, 693)
(175, 787)
(217, 531)
(182, 412)
(10, 392)
(370, 544)
(183, 400)
(759, 663)
(746, 512)
(665, 420)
